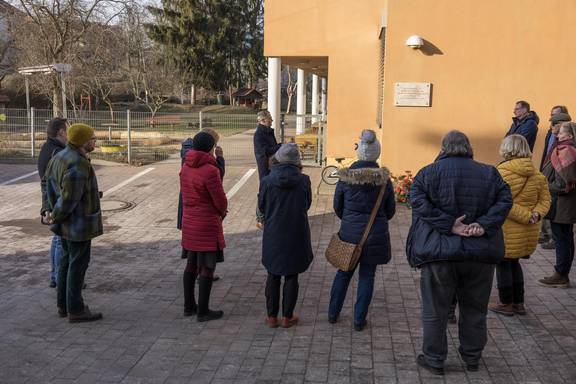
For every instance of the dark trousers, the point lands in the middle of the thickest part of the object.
(289, 295)
(73, 265)
(364, 294)
(510, 280)
(471, 282)
(564, 237)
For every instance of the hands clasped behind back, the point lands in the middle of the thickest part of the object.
(467, 230)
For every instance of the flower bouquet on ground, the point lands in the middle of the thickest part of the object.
(402, 185)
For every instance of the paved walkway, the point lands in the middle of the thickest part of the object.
(135, 280)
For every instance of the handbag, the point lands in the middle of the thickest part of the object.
(344, 255)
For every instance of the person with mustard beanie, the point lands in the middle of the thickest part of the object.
(71, 206)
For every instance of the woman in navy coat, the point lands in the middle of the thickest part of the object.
(284, 199)
(356, 194)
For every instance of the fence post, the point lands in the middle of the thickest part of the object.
(282, 127)
(200, 120)
(32, 135)
(129, 127)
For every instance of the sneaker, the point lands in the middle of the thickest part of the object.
(210, 315)
(332, 319)
(555, 281)
(272, 322)
(288, 322)
(519, 309)
(502, 309)
(52, 284)
(62, 312)
(421, 360)
(548, 245)
(84, 316)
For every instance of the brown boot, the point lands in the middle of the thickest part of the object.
(85, 316)
(288, 322)
(555, 281)
(272, 322)
(502, 309)
(519, 309)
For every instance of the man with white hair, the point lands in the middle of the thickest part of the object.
(458, 208)
(265, 144)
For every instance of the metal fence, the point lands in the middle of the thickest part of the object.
(141, 138)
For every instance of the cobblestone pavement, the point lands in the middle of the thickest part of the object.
(135, 280)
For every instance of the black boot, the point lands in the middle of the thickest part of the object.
(189, 280)
(204, 288)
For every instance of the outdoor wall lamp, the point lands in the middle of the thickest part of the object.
(415, 42)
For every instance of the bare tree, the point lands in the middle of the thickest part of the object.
(152, 78)
(55, 30)
(290, 87)
(7, 51)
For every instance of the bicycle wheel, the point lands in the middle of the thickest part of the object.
(329, 175)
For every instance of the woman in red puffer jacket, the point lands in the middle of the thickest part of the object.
(205, 206)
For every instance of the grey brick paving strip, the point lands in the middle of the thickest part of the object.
(135, 280)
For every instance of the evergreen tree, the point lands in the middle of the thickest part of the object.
(217, 43)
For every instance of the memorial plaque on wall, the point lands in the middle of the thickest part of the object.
(412, 94)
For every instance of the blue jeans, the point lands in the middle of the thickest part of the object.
(364, 294)
(55, 256)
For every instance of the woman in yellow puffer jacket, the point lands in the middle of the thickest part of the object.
(531, 201)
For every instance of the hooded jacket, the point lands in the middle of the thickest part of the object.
(285, 197)
(530, 193)
(355, 196)
(187, 145)
(527, 127)
(204, 202)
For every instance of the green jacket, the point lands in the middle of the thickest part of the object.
(70, 192)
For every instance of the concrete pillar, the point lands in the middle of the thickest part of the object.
(315, 98)
(274, 69)
(323, 103)
(301, 102)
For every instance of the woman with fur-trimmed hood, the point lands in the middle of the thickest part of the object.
(355, 196)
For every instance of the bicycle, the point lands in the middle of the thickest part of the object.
(330, 172)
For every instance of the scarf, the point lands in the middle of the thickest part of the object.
(563, 159)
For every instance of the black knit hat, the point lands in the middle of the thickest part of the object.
(203, 142)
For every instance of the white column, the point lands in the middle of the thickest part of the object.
(301, 102)
(315, 98)
(324, 100)
(274, 69)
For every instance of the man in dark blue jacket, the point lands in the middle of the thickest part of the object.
(525, 123)
(458, 208)
(265, 144)
(56, 141)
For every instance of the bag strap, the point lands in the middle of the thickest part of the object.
(373, 216)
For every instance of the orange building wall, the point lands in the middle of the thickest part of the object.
(494, 53)
(346, 32)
